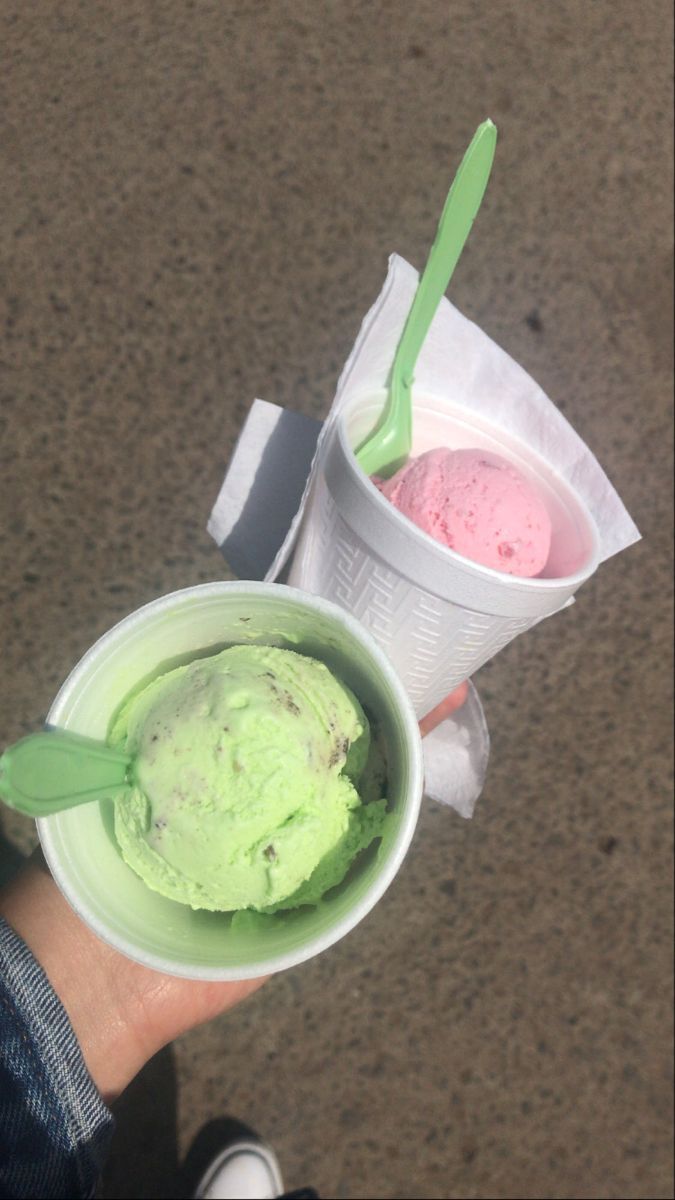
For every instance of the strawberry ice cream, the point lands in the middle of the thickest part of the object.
(477, 504)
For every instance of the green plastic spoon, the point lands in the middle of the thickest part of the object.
(47, 772)
(389, 445)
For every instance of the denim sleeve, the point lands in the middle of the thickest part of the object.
(54, 1127)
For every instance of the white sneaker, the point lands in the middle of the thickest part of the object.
(244, 1170)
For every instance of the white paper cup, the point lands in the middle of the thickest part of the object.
(437, 615)
(80, 845)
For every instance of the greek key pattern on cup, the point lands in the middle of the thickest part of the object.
(433, 643)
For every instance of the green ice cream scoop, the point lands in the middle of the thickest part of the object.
(244, 791)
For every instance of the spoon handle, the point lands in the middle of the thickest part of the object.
(459, 212)
(388, 446)
(46, 772)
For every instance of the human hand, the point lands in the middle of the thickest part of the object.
(442, 711)
(122, 1012)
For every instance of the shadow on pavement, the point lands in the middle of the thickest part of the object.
(143, 1161)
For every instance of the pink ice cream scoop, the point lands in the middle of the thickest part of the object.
(476, 503)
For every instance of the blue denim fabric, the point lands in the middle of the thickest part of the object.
(54, 1127)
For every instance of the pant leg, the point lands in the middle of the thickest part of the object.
(54, 1127)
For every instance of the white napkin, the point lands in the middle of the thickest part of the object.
(263, 489)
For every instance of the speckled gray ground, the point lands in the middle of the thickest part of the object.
(198, 200)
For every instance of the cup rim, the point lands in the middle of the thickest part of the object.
(322, 941)
(443, 555)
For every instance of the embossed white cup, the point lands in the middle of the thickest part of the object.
(438, 616)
